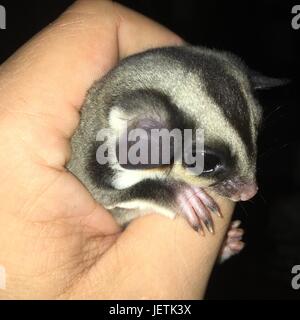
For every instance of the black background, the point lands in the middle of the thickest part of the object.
(261, 33)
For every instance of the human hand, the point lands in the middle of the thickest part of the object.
(56, 241)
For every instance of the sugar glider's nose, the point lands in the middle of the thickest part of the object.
(245, 192)
(248, 191)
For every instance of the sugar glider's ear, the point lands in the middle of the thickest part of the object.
(261, 82)
(140, 147)
(136, 118)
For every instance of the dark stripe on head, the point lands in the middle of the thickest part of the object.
(225, 91)
(222, 87)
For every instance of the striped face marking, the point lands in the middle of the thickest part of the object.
(188, 87)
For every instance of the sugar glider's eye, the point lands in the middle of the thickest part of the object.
(212, 162)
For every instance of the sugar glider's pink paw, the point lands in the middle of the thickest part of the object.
(196, 206)
(233, 244)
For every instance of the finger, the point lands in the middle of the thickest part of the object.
(44, 83)
(176, 263)
(51, 74)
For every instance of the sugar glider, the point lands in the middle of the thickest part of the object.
(174, 87)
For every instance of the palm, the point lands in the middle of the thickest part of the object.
(55, 221)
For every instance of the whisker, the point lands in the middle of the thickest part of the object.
(272, 113)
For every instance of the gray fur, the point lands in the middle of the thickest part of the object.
(182, 87)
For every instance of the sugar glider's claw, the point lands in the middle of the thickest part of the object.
(189, 213)
(199, 228)
(195, 206)
(200, 210)
(209, 202)
(235, 224)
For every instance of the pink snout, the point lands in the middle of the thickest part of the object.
(245, 192)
